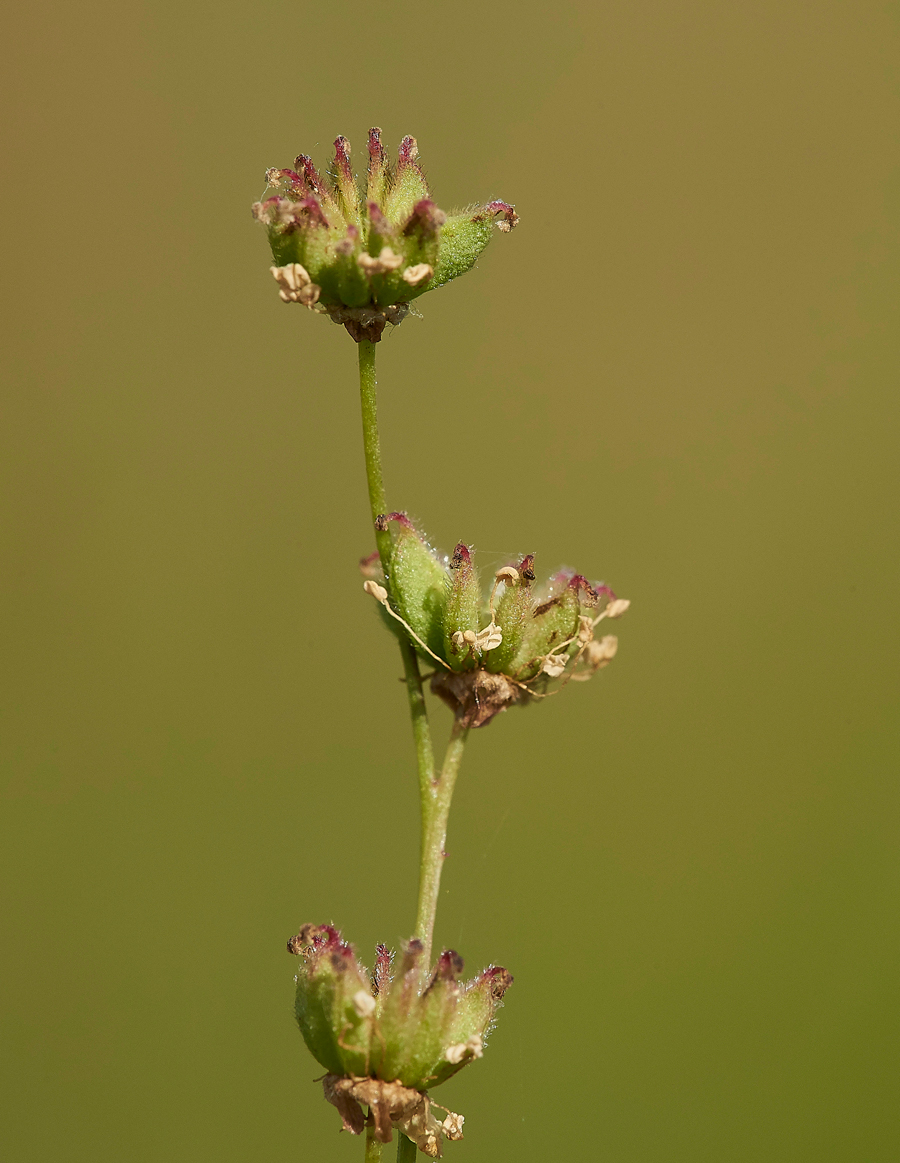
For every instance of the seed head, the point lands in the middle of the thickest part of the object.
(388, 1039)
(489, 655)
(361, 257)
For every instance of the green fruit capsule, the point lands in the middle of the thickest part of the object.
(334, 1005)
(417, 581)
(553, 624)
(463, 611)
(512, 612)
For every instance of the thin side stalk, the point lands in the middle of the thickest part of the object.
(436, 799)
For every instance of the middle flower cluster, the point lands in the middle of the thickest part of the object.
(489, 653)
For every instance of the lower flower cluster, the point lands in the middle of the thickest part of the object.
(387, 1038)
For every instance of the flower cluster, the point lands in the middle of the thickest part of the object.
(362, 257)
(492, 652)
(387, 1039)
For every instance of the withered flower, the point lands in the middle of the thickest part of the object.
(362, 256)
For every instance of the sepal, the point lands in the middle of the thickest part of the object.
(334, 1005)
(417, 580)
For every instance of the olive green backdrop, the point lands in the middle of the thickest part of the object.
(678, 374)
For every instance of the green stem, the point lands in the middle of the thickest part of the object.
(368, 396)
(417, 710)
(373, 1147)
(435, 792)
(436, 797)
(406, 1149)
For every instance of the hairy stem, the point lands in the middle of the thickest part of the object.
(406, 1150)
(436, 797)
(368, 398)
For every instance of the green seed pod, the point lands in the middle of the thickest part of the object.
(399, 1016)
(334, 1004)
(463, 611)
(417, 581)
(471, 1021)
(464, 237)
(513, 611)
(553, 625)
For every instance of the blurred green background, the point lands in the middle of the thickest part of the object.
(679, 375)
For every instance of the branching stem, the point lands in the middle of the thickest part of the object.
(435, 791)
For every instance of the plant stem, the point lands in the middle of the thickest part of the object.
(406, 1149)
(368, 398)
(369, 403)
(373, 1147)
(435, 792)
(436, 797)
(417, 710)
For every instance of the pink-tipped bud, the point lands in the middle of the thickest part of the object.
(498, 979)
(287, 182)
(526, 567)
(310, 175)
(426, 219)
(588, 596)
(462, 556)
(379, 174)
(449, 966)
(409, 151)
(342, 157)
(508, 218)
(347, 191)
(382, 974)
(383, 521)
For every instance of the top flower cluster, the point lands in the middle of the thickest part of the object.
(362, 259)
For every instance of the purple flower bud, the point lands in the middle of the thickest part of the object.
(310, 176)
(381, 977)
(509, 219)
(378, 170)
(407, 154)
(347, 190)
(425, 220)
